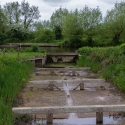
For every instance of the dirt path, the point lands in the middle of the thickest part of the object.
(97, 93)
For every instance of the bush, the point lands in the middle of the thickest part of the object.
(122, 48)
(2, 38)
(46, 36)
(12, 40)
(110, 61)
(34, 48)
(74, 41)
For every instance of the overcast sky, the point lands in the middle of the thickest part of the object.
(47, 7)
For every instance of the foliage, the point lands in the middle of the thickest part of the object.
(115, 22)
(23, 13)
(57, 22)
(20, 21)
(73, 42)
(89, 20)
(58, 32)
(2, 38)
(109, 61)
(34, 48)
(17, 73)
(18, 32)
(57, 17)
(122, 48)
(29, 13)
(46, 36)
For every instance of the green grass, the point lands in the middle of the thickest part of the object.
(21, 54)
(13, 75)
(109, 61)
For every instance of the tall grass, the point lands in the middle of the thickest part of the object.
(85, 61)
(13, 75)
(110, 61)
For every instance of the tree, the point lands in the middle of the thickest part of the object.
(70, 26)
(16, 31)
(22, 14)
(57, 17)
(57, 21)
(71, 29)
(89, 20)
(29, 14)
(115, 22)
(2, 26)
(13, 12)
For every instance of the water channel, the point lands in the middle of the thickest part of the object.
(73, 119)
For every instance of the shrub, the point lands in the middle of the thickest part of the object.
(122, 48)
(46, 36)
(110, 61)
(34, 48)
(74, 41)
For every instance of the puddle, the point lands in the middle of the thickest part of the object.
(101, 98)
(90, 89)
(82, 121)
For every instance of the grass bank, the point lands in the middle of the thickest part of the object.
(109, 62)
(13, 75)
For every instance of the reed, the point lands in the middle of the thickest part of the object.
(13, 75)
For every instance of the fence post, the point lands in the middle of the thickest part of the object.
(18, 51)
(51, 86)
(81, 86)
(4, 51)
(49, 118)
(99, 117)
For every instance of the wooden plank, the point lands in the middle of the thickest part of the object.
(68, 109)
(67, 81)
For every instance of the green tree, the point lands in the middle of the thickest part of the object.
(13, 12)
(29, 14)
(71, 30)
(115, 22)
(70, 26)
(57, 21)
(16, 31)
(89, 20)
(3, 26)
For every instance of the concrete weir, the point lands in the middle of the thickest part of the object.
(64, 57)
(55, 57)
